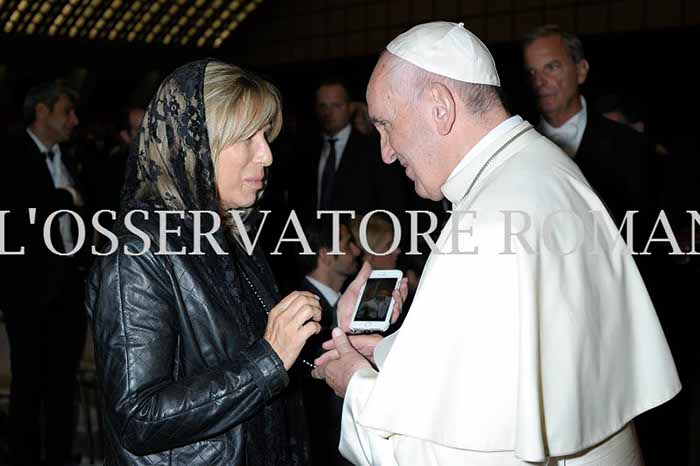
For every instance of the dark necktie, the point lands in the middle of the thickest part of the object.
(328, 177)
(49, 155)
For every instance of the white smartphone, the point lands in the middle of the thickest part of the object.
(373, 308)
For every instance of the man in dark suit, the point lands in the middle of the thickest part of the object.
(41, 296)
(615, 159)
(355, 178)
(325, 275)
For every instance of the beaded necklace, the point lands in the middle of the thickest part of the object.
(267, 312)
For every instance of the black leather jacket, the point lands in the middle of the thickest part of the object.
(179, 385)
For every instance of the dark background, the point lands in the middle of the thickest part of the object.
(646, 49)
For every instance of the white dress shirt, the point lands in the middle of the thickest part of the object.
(61, 179)
(568, 136)
(329, 293)
(341, 141)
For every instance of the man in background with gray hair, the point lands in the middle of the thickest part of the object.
(615, 159)
(520, 346)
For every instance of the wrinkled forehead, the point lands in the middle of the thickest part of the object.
(382, 102)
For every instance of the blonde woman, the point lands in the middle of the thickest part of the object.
(193, 350)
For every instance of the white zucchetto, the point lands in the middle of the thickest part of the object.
(449, 50)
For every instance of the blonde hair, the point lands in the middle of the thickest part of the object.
(238, 104)
(378, 227)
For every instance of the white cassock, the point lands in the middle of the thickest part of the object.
(511, 354)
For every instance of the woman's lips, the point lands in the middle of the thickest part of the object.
(256, 183)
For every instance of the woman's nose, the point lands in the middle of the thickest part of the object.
(265, 155)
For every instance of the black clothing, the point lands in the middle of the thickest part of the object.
(185, 373)
(615, 161)
(362, 182)
(328, 177)
(40, 293)
(324, 409)
(186, 377)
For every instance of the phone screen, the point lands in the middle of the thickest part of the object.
(375, 300)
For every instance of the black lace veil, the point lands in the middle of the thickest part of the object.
(170, 166)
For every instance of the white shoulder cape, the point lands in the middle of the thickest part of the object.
(542, 353)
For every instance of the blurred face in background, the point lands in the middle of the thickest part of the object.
(387, 262)
(333, 108)
(346, 264)
(555, 78)
(135, 119)
(58, 122)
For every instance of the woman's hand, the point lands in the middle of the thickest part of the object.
(346, 303)
(364, 344)
(291, 323)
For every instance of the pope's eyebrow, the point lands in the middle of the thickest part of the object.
(378, 121)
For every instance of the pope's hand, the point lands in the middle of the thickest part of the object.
(338, 372)
(346, 303)
(364, 344)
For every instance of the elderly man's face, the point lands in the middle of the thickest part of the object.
(405, 136)
(554, 76)
(333, 108)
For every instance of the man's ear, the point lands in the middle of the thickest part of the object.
(443, 108)
(582, 71)
(324, 257)
(41, 110)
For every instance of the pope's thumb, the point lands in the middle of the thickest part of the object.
(342, 344)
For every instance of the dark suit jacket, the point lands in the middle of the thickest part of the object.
(322, 407)
(362, 181)
(312, 348)
(615, 161)
(25, 182)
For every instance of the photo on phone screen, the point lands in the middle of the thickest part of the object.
(375, 300)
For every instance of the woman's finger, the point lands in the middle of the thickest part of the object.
(297, 304)
(291, 297)
(309, 329)
(328, 345)
(305, 314)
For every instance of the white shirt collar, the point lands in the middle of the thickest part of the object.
(42, 148)
(473, 155)
(567, 136)
(341, 136)
(329, 293)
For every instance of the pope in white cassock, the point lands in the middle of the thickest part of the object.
(531, 338)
